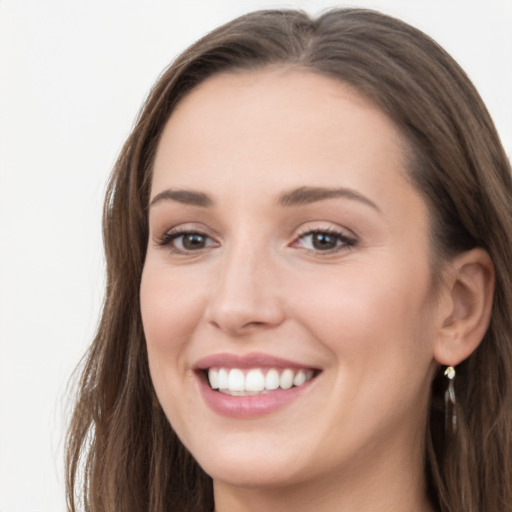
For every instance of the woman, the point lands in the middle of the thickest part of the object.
(309, 295)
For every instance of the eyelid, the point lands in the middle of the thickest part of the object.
(346, 236)
(166, 239)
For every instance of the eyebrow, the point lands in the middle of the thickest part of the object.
(308, 195)
(184, 196)
(296, 197)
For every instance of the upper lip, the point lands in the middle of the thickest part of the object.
(253, 360)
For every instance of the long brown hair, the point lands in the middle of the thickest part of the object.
(122, 453)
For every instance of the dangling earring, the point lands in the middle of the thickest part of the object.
(450, 403)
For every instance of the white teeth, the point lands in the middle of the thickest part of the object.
(300, 378)
(286, 379)
(223, 379)
(235, 382)
(254, 381)
(213, 377)
(272, 380)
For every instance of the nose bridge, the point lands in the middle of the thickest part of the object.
(245, 295)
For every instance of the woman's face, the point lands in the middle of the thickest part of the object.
(287, 248)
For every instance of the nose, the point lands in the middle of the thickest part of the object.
(246, 296)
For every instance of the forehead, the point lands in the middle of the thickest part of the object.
(277, 97)
(275, 129)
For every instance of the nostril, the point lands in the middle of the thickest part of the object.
(243, 316)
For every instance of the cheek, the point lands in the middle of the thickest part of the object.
(170, 307)
(363, 311)
(378, 329)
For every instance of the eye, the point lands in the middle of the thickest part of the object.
(184, 241)
(324, 240)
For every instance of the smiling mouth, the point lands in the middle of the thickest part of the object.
(256, 381)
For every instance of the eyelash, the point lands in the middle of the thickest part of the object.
(168, 238)
(346, 242)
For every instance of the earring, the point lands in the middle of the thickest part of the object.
(450, 403)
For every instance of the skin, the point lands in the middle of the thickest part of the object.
(366, 314)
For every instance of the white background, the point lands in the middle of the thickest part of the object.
(73, 74)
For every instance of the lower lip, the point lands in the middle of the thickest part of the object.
(250, 406)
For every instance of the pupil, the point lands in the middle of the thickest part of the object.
(193, 242)
(324, 241)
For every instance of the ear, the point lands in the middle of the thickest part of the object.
(470, 282)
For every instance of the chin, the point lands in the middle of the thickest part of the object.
(252, 474)
(254, 463)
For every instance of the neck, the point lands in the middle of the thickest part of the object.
(320, 499)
